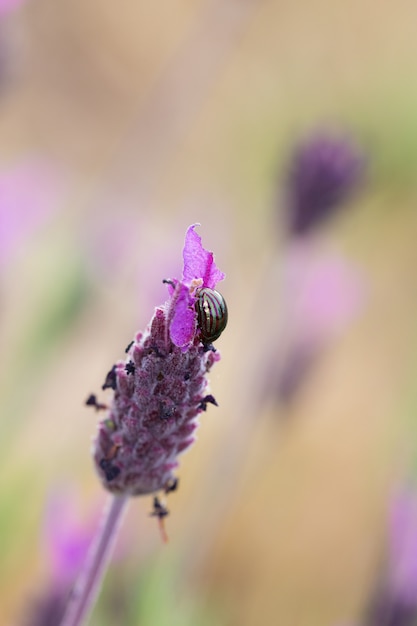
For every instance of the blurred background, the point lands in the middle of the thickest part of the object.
(123, 123)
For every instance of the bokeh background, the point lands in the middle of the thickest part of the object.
(121, 124)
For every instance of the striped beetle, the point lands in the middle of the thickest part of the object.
(211, 314)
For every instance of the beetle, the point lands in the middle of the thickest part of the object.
(211, 314)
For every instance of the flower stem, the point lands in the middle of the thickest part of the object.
(88, 584)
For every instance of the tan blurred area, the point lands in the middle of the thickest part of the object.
(160, 115)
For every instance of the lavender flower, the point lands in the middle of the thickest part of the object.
(324, 171)
(395, 603)
(7, 6)
(160, 388)
(66, 539)
(29, 195)
(47, 610)
(403, 547)
(323, 293)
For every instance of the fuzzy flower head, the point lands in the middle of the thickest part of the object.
(324, 171)
(160, 389)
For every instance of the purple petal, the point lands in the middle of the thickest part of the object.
(182, 328)
(198, 262)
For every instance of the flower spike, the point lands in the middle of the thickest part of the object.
(161, 387)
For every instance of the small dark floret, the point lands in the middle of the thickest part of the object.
(92, 401)
(111, 471)
(157, 351)
(207, 400)
(165, 412)
(159, 510)
(171, 485)
(110, 380)
(130, 368)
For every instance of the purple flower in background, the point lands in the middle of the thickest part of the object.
(29, 194)
(403, 548)
(322, 294)
(160, 389)
(324, 171)
(395, 600)
(47, 610)
(7, 6)
(66, 538)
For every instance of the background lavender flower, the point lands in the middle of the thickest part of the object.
(402, 573)
(395, 601)
(7, 6)
(66, 537)
(322, 294)
(30, 193)
(47, 610)
(324, 171)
